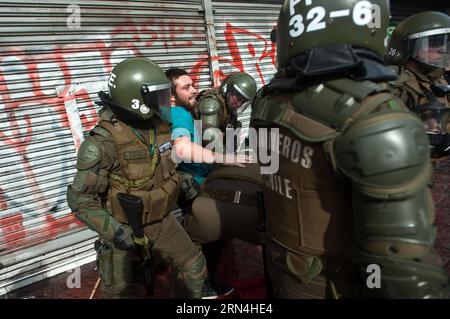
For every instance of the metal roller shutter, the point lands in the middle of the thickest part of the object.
(243, 41)
(51, 68)
(243, 38)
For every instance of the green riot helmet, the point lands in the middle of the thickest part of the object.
(306, 24)
(238, 88)
(423, 37)
(138, 90)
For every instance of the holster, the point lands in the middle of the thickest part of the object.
(104, 262)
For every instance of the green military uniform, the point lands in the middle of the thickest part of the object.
(351, 191)
(128, 154)
(418, 46)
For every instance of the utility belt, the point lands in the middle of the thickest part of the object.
(156, 202)
(228, 196)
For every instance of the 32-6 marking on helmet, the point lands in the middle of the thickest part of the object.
(297, 22)
(339, 13)
(363, 14)
(316, 14)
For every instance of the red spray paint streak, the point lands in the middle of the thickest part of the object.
(13, 234)
(236, 61)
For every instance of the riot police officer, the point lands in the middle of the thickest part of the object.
(218, 106)
(419, 46)
(351, 194)
(126, 182)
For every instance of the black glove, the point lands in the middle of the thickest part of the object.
(189, 186)
(123, 239)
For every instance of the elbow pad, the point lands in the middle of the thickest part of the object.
(386, 158)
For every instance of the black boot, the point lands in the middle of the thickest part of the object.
(211, 288)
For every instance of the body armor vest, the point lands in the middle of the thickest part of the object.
(308, 208)
(145, 169)
(417, 85)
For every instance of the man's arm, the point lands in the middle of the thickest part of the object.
(188, 151)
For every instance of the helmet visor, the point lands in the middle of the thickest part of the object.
(432, 50)
(157, 99)
(236, 97)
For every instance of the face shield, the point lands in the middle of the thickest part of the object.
(236, 97)
(431, 47)
(157, 99)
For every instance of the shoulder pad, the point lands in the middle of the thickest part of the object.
(336, 102)
(322, 111)
(89, 153)
(209, 106)
(106, 114)
(382, 166)
(356, 89)
(101, 131)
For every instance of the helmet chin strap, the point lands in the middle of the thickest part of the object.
(244, 107)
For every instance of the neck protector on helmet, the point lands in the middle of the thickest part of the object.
(324, 64)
